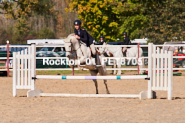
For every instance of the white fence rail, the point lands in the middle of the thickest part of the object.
(26, 47)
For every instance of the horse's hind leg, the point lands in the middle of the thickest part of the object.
(96, 85)
(104, 73)
(115, 66)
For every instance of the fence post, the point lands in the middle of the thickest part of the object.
(14, 74)
(138, 70)
(150, 71)
(7, 58)
(33, 65)
(170, 75)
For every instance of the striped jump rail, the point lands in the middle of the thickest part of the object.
(92, 77)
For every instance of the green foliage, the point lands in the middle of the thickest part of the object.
(3, 35)
(157, 20)
(15, 37)
(46, 33)
(111, 17)
(21, 11)
(26, 8)
(99, 17)
(22, 26)
(166, 20)
(12, 35)
(133, 18)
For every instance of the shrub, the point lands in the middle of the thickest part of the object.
(46, 33)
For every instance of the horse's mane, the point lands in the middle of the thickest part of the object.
(72, 34)
(70, 37)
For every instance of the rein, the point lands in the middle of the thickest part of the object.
(72, 51)
(72, 48)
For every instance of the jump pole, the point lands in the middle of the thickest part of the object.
(91, 77)
(94, 95)
(37, 93)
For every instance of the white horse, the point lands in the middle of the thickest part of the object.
(112, 52)
(74, 50)
(133, 52)
(117, 52)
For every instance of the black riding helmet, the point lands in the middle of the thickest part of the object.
(77, 22)
(124, 33)
(101, 36)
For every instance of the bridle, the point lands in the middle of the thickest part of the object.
(74, 52)
(72, 49)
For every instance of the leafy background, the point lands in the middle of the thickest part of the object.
(157, 20)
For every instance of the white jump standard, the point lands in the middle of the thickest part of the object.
(24, 75)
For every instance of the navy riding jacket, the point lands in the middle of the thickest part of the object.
(101, 43)
(84, 36)
(126, 41)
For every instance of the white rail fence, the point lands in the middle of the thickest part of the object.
(24, 74)
(18, 48)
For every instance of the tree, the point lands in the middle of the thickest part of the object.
(26, 8)
(166, 20)
(99, 17)
(133, 18)
(111, 17)
(28, 15)
(65, 20)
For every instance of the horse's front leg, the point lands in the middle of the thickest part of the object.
(119, 66)
(94, 73)
(114, 66)
(105, 82)
(96, 85)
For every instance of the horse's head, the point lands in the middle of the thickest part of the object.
(71, 46)
(102, 50)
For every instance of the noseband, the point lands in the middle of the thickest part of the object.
(72, 49)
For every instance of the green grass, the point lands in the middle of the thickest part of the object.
(59, 72)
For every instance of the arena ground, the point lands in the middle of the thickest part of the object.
(91, 110)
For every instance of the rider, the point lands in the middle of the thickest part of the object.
(126, 41)
(102, 40)
(85, 37)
